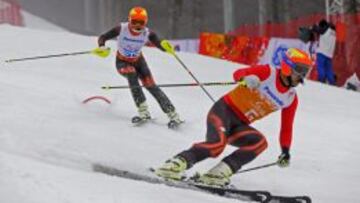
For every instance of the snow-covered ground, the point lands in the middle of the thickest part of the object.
(48, 138)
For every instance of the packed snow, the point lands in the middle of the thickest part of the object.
(49, 138)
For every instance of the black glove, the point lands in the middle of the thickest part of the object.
(284, 158)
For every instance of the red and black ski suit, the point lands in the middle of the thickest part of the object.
(131, 63)
(229, 119)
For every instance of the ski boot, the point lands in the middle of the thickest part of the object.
(172, 169)
(218, 176)
(174, 120)
(144, 115)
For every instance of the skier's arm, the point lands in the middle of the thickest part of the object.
(155, 40)
(261, 71)
(287, 120)
(114, 32)
(162, 44)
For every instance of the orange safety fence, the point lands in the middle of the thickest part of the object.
(241, 49)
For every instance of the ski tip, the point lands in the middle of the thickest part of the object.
(296, 199)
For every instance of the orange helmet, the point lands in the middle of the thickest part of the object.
(296, 61)
(138, 18)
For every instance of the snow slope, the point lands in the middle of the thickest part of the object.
(48, 138)
(35, 22)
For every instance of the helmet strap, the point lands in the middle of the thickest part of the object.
(290, 81)
(285, 80)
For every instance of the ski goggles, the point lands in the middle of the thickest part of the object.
(137, 22)
(300, 69)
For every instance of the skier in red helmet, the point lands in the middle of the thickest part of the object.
(262, 90)
(130, 63)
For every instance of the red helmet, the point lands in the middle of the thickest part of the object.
(296, 60)
(138, 19)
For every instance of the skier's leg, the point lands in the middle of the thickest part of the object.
(149, 83)
(212, 147)
(129, 72)
(250, 142)
(239, 134)
(160, 97)
(218, 124)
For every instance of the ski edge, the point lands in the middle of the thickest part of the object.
(235, 194)
(291, 199)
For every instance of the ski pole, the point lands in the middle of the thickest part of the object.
(258, 167)
(174, 85)
(97, 51)
(192, 75)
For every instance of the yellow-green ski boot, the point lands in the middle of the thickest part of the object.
(172, 169)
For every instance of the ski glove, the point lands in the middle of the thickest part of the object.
(284, 158)
(250, 81)
(101, 51)
(165, 44)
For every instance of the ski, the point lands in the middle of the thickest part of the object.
(244, 195)
(138, 121)
(174, 124)
(232, 193)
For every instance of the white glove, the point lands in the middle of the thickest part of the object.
(250, 81)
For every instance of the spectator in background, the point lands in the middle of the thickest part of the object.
(325, 52)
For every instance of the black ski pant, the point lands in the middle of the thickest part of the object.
(140, 70)
(224, 127)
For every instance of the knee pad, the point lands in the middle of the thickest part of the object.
(148, 82)
(262, 146)
(214, 149)
(126, 71)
